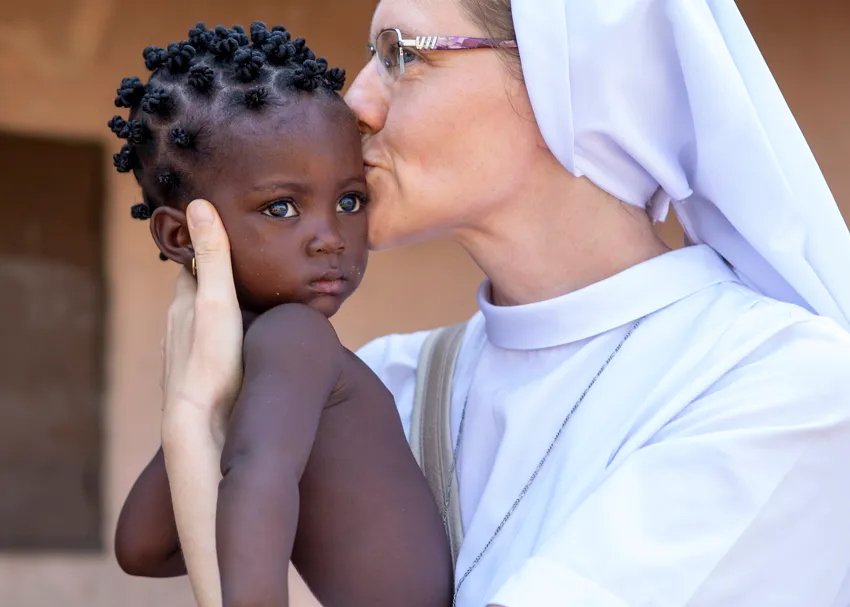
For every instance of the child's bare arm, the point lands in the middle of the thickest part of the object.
(146, 535)
(146, 541)
(292, 363)
(317, 469)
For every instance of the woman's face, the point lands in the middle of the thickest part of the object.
(449, 142)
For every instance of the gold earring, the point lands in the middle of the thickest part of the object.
(194, 268)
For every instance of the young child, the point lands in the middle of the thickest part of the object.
(315, 467)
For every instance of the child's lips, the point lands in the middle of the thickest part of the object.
(329, 285)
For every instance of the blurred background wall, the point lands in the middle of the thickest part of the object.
(83, 295)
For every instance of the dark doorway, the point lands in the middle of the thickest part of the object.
(51, 344)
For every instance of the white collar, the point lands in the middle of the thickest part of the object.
(605, 305)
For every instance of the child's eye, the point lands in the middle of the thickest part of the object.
(350, 203)
(281, 208)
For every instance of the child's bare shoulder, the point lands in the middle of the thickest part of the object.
(294, 331)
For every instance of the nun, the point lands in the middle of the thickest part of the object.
(626, 425)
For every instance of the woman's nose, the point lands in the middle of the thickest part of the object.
(367, 99)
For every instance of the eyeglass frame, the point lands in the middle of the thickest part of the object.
(439, 43)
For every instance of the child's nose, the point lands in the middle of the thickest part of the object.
(327, 240)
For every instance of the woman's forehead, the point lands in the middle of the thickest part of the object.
(422, 18)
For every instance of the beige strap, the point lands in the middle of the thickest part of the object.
(430, 430)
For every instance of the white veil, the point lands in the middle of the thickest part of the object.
(660, 101)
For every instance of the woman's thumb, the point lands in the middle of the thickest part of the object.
(212, 253)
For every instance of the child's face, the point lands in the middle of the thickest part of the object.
(289, 186)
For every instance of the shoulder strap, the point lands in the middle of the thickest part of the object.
(430, 430)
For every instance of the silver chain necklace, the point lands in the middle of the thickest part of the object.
(533, 477)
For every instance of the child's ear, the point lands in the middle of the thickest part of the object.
(171, 235)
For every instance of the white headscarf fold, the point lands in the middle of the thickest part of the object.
(659, 101)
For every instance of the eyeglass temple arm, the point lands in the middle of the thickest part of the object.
(452, 43)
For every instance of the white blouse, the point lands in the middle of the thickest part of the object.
(708, 466)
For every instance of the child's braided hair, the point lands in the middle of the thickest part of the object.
(194, 82)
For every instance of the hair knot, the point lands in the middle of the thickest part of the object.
(335, 78)
(255, 98)
(180, 54)
(310, 75)
(181, 138)
(242, 38)
(136, 132)
(278, 48)
(125, 160)
(259, 33)
(117, 125)
(130, 93)
(157, 101)
(302, 51)
(221, 42)
(196, 37)
(155, 57)
(249, 62)
(140, 211)
(168, 180)
(201, 77)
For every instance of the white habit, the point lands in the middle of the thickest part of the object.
(708, 467)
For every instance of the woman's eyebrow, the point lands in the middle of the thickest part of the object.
(406, 32)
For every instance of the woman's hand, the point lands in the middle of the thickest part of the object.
(203, 344)
(202, 377)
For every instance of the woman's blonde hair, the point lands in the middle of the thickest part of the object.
(497, 20)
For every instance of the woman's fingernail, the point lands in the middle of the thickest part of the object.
(200, 213)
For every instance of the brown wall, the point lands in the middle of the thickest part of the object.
(65, 87)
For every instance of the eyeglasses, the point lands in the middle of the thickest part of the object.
(390, 48)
